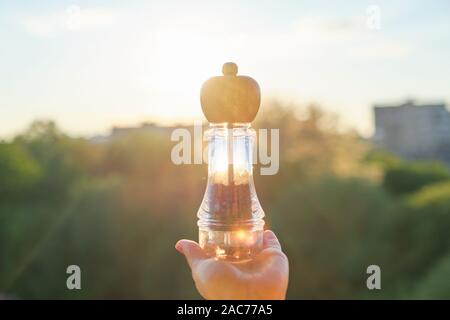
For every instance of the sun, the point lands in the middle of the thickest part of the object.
(177, 64)
(185, 59)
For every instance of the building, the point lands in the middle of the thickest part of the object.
(414, 131)
(144, 128)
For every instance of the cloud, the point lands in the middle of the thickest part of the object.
(312, 38)
(325, 29)
(380, 50)
(38, 27)
(352, 33)
(72, 18)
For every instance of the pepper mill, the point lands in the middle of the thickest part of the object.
(230, 216)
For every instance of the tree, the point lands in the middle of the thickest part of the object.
(435, 284)
(18, 170)
(331, 231)
(406, 177)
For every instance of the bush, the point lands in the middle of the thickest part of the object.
(117, 209)
(420, 237)
(436, 284)
(406, 178)
(18, 171)
(330, 229)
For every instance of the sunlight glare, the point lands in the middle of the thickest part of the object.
(185, 60)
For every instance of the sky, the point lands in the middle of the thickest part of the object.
(90, 65)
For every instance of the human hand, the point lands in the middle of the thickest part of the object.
(264, 277)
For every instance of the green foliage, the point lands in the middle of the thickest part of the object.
(330, 229)
(430, 208)
(419, 235)
(108, 208)
(434, 197)
(18, 171)
(383, 158)
(435, 284)
(117, 209)
(409, 177)
(60, 157)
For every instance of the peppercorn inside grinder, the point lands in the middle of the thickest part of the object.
(230, 216)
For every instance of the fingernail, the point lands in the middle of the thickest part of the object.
(269, 232)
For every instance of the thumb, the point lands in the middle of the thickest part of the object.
(270, 240)
(192, 251)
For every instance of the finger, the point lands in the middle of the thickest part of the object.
(270, 240)
(191, 250)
